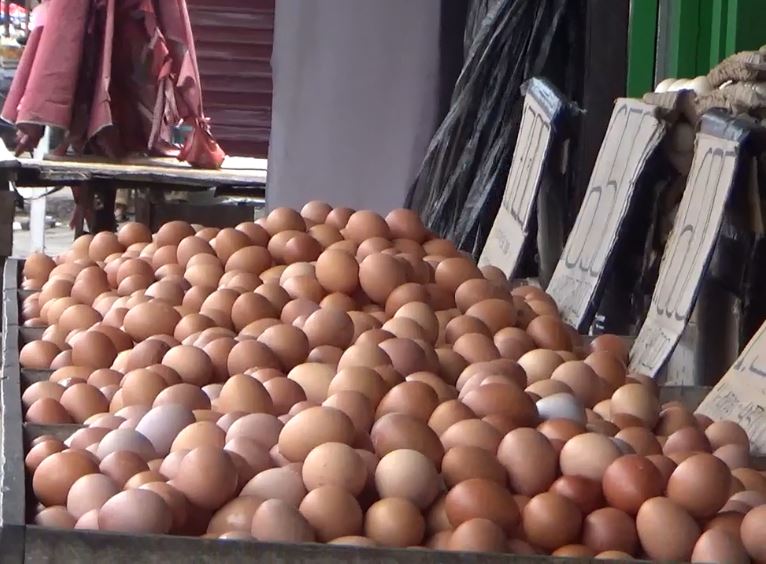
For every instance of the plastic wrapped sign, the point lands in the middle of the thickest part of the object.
(740, 396)
(543, 106)
(692, 241)
(635, 130)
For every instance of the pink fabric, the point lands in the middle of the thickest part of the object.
(117, 75)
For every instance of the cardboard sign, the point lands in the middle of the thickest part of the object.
(740, 396)
(691, 243)
(634, 132)
(510, 231)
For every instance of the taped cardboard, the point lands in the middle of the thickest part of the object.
(691, 243)
(510, 232)
(635, 130)
(740, 396)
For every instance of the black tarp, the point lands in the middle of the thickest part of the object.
(461, 180)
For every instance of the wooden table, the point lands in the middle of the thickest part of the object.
(101, 179)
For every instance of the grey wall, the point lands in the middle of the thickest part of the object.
(356, 96)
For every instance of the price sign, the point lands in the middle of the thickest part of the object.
(634, 132)
(691, 242)
(510, 231)
(740, 396)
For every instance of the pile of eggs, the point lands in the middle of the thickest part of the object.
(335, 376)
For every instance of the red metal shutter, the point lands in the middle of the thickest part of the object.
(234, 40)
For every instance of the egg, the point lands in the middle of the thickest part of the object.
(312, 427)
(483, 499)
(666, 531)
(277, 521)
(530, 460)
(394, 522)
(135, 511)
(588, 455)
(609, 529)
(332, 512)
(407, 474)
(700, 473)
(334, 464)
(56, 474)
(631, 480)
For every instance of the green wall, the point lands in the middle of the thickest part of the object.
(685, 38)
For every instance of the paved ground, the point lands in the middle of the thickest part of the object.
(57, 240)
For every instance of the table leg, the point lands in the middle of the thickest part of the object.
(103, 194)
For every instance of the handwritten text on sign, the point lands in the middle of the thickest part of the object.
(740, 396)
(510, 230)
(632, 136)
(687, 253)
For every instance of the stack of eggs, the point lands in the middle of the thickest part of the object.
(334, 376)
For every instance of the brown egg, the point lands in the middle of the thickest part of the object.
(314, 378)
(495, 313)
(613, 344)
(472, 432)
(530, 460)
(277, 521)
(135, 511)
(400, 431)
(83, 400)
(38, 266)
(284, 394)
(719, 546)
(584, 493)
(752, 531)
(379, 275)
(464, 463)
(184, 394)
(549, 333)
(490, 399)
(369, 383)
(38, 355)
(244, 394)
(608, 529)
(629, 481)
(551, 521)
(250, 354)
(150, 318)
(55, 475)
(638, 401)
(122, 465)
(413, 398)
(213, 488)
(447, 413)
(407, 474)
(55, 516)
(700, 473)
(665, 530)
(289, 344)
(277, 483)
(751, 479)
(332, 512)
(334, 464)
(394, 522)
(540, 364)
(642, 440)
(482, 499)
(686, 440)
(608, 367)
(734, 455)
(463, 325)
(337, 271)
(588, 455)
(40, 452)
(312, 427)
(583, 381)
(721, 433)
(474, 347)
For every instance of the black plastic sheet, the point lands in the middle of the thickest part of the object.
(463, 174)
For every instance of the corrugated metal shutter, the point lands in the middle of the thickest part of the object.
(234, 41)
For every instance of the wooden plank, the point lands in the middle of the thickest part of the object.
(634, 133)
(115, 548)
(508, 237)
(692, 241)
(12, 480)
(33, 172)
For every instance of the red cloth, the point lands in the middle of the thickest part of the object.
(116, 75)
